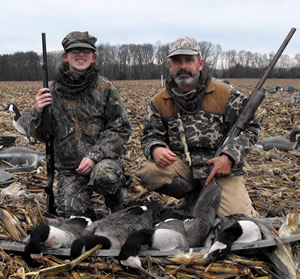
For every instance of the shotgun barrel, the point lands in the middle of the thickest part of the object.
(47, 119)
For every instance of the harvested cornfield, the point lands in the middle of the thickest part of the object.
(273, 180)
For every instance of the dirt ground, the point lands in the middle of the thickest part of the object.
(272, 178)
(273, 184)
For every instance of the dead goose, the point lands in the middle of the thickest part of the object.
(19, 121)
(167, 235)
(236, 228)
(113, 230)
(175, 233)
(60, 234)
(280, 142)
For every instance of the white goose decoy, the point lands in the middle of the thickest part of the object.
(19, 121)
(57, 235)
(280, 142)
(113, 230)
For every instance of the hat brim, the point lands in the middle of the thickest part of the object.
(80, 45)
(183, 51)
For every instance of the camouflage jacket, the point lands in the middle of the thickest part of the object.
(91, 124)
(204, 129)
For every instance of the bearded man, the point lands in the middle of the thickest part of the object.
(185, 125)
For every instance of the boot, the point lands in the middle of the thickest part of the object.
(114, 202)
(178, 188)
(189, 200)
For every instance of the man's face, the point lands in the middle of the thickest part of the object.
(185, 69)
(79, 59)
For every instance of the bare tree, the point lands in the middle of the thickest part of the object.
(297, 58)
(131, 61)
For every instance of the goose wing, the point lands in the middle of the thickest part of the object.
(119, 225)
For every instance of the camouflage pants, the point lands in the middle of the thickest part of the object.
(75, 191)
(235, 197)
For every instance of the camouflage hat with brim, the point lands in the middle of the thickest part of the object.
(79, 40)
(184, 46)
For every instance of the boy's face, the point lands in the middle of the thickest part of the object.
(79, 59)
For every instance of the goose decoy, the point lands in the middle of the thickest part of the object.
(280, 142)
(167, 235)
(226, 81)
(292, 89)
(21, 159)
(20, 122)
(60, 234)
(113, 230)
(274, 90)
(293, 100)
(240, 229)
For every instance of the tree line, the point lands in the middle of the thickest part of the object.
(147, 61)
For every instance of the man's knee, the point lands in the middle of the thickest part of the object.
(108, 177)
(78, 204)
(235, 197)
(178, 188)
(74, 195)
(154, 176)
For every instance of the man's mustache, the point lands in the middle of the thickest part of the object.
(181, 71)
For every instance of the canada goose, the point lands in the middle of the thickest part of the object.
(113, 230)
(60, 234)
(236, 228)
(233, 229)
(280, 142)
(19, 121)
(181, 232)
(167, 235)
(273, 90)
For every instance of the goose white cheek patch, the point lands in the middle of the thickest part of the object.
(132, 262)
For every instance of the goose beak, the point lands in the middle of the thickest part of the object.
(210, 259)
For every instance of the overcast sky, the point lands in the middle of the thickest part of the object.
(252, 25)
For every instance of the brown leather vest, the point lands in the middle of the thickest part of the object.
(214, 100)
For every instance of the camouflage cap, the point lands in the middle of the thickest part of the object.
(184, 46)
(78, 39)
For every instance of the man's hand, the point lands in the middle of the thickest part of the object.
(86, 166)
(222, 167)
(42, 99)
(163, 156)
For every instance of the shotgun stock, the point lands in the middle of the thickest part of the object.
(47, 117)
(248, 113)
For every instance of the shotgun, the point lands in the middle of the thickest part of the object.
(247, 114)
(47, 119)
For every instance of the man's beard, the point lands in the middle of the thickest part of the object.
(185, 81)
